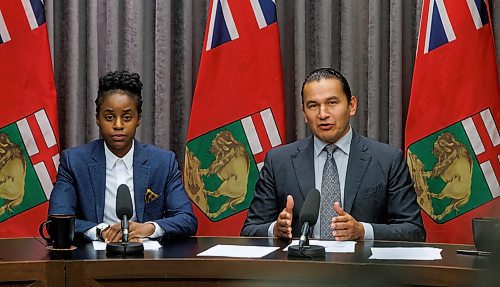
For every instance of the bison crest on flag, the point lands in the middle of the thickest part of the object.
(24, 179)
(461, 171)
(223, 164)
(12, 174)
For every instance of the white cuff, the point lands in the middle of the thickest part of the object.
(368, 231)
(91, 233)
(270, 230)
(159, 231)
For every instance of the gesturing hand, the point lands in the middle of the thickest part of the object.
(345, 227)
(283, 226)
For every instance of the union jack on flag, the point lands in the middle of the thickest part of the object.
(265, 12)
(439, 28)
(4, 32)
(34, 12)
(222, 27)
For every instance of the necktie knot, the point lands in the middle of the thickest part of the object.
(330, 149)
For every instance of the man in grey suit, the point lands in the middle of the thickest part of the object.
(374, 197)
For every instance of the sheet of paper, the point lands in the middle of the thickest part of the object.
(148, 245)
(238, 251)
(330, 246)
(406, 253)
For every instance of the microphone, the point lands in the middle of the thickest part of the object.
(124, 208)
(308, 216)
(124, 211)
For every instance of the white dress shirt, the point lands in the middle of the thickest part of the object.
(341, 156)
(118, 171)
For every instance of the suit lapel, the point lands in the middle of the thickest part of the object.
(303, 164)
(97, 171)
(141, 179)
(356, 169)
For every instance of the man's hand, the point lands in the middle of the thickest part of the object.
(136, 231)
(345, 227)
(283, 226)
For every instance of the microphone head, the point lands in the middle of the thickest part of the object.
(123, 202)
(310, 209)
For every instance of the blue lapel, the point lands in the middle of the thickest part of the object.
(356, 169)
(97, 171)
(303, 164)
(141, 179)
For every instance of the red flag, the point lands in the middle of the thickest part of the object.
(452, 138)
(238, 112)
(29, 149)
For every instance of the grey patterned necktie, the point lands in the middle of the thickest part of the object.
(330, 192)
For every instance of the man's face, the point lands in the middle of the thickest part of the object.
(117, 121)
(326, 109)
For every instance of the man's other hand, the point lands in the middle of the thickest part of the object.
(283, 226)
(345, 227)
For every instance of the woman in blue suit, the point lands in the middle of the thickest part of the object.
(89, 175)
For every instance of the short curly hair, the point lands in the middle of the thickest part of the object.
(123, 81)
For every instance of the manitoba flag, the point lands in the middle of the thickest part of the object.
(452, 138)
(29, 149)
(238, 112)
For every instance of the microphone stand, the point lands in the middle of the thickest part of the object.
(304, 250)
(125, 229)
(304, 237)
(125, 248)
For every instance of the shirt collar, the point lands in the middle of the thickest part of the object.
(111, 158)
(343, 144)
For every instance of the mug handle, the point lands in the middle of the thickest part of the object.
(40, 230)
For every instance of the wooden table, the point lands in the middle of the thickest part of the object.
(26, 262)
(176, 264)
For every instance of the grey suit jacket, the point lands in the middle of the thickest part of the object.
(378, 189)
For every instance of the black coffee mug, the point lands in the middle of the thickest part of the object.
(61, 230)
(486, 232)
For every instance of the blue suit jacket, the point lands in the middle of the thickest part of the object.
(378, 189)
(81, 183)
